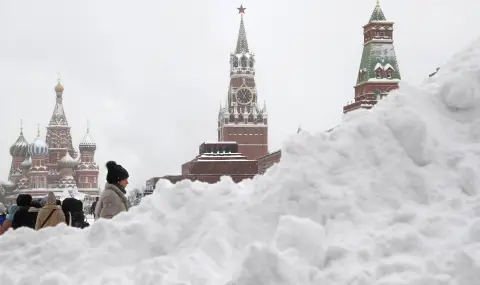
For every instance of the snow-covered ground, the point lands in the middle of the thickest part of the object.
(390, 197)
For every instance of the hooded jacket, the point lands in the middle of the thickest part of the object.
(111, 202)
(50, 209)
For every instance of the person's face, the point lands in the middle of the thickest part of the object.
(123, 183)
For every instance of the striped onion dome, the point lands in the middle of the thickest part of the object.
(88, 143)
(67, 161)
(20, 147)
(38, 148)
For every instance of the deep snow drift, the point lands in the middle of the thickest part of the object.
(390, 197)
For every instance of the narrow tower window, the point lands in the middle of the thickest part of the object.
(244, 61)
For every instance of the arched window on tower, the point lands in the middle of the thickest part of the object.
(244, 61)
(250, 118)
(389, 73)
(235, 62)
(361, 75)
(378, 73)
(252, 63)
(240, 117)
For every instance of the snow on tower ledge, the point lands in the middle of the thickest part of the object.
(391, 196)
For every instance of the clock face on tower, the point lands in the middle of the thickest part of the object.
(244, 96)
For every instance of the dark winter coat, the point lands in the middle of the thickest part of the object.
(25, 217)
(73, 210)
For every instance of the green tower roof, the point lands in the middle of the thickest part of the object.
(377, 55)
(377, 14)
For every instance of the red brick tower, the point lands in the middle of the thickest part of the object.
(242, 120)
(378, 73)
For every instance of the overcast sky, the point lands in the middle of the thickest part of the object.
(150, 75)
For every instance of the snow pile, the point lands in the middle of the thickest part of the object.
(390, 197)
(71, 192)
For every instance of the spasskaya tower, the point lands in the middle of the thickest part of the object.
(242, 120)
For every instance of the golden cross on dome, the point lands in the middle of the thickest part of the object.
(21, 125)
(241, 10)
(38, 130)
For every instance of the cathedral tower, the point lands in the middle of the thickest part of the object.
(58, 136)
(378, 73)
(242, 119)
(38, 151)
(18, 151)
(87, 170)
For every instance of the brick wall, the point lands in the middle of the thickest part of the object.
(227, 167)
(267, 161)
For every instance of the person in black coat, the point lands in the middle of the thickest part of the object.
(24, 217)
(73, 210)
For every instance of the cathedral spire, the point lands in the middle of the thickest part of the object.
(377, 14)
(58, 116)
(242, 43)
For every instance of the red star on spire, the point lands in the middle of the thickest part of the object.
(241, 10)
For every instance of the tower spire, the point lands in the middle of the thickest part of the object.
(38, 130)
(377, 14)
(58, 117)
(242, 43)
(88, 126)
(21, 126)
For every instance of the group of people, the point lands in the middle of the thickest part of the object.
(49, 211)
(42, 213)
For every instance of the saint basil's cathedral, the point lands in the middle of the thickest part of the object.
(52, 164)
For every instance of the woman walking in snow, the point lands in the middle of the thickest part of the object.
(112, 199)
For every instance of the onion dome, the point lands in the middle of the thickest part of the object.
(67, 161)
(20, 147)
(8, 185)
(87, 143)
(25, 165)
(59, 88)
(38, 147)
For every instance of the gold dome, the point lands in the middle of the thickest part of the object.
(59, 87)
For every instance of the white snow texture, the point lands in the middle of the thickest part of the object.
(390, 197)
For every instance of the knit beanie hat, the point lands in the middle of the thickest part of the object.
(116, 172)
(51, 199)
